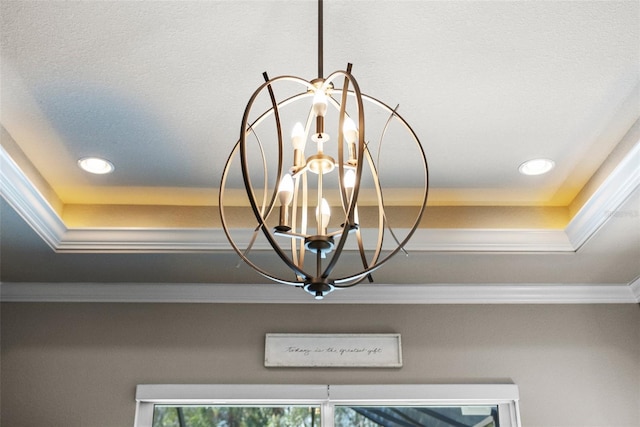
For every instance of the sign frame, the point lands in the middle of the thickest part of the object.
(332, 351)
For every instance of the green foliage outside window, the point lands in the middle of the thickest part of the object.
(299, 416)
(239, 416)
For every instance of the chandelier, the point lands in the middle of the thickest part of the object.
(312, 194)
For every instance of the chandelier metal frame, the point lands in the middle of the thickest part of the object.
(350, 160)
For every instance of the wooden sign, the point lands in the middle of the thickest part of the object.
(333, 350)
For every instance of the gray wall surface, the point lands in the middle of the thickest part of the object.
(77, 364)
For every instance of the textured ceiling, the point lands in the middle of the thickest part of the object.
(159, 89)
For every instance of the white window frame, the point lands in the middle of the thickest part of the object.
(327, 397)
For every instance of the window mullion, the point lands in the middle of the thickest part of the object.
(144, 414)
(328, 413)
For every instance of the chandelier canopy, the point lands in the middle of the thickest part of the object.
(326, 166)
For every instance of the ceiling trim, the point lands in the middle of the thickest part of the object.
(28, 202)
(532, 293)
(635, 289)
(605, 202)
(198, 240)
(33, 207)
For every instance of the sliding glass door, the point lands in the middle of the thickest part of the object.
(327, 406)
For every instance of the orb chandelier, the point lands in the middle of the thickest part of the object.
(295, 188)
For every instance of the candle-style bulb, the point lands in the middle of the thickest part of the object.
(297, 136)
(349, 130)
(320, 103)
(285, 190)
(323, 215)
(349, 179)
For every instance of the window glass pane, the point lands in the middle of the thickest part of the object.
(419, 416)
(235, 416)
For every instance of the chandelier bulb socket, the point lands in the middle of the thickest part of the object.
(352, 153)
(284, 219)
(321, 163)
(317, 83)
(282, 228)
(320, 124)
(320, 139)
(352, 226)
(297, 158)
(319, 287)
(319, 244)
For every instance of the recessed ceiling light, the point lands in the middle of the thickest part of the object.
(536, 166)
(96, 165)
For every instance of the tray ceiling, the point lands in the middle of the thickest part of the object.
(159, 89)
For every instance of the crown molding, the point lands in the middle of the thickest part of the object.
(198, 240)
(635, 289)
(610, 195)
(531, 293)
(33, 207)
(29, 202)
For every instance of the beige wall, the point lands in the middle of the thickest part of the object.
(78, 364)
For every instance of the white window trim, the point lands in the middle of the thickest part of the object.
(505, 396)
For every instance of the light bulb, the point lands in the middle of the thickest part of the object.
(323, 214)
(319, 103)
(536, 167)
(349, 130)
(349, 179)
(285, 190)
(96, 165)
(297, 136)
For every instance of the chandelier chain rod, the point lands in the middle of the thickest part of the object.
(320, 40)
